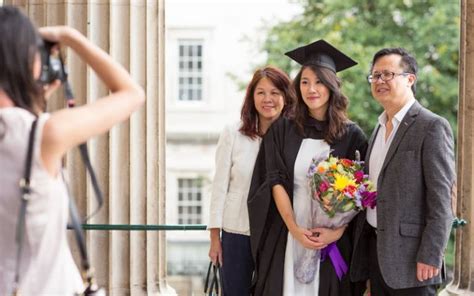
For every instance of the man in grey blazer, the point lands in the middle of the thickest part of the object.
(400, 244)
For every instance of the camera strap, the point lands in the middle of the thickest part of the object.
(87, 271)
(93, 178)
(25, 192)
(69, 95)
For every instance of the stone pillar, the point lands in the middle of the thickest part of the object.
(129, 160)
(463, 281)
(98, 241)
(119, 174)
(138, 151)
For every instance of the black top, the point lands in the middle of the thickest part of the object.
(268, 233)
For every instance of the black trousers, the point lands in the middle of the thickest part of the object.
(237, 268)
(378, 287)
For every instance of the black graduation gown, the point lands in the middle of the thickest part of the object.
(268, 233)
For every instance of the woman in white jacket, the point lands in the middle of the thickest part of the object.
(269, 94)
(46, 266)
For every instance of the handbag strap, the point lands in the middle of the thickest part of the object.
(25, 192)
(214, 281)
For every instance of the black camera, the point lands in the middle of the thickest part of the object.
(52, 66)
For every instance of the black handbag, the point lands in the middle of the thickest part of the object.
(211, 285)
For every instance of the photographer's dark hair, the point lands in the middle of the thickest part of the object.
(249, 114)
(337, 104)
(408, 62)
(18, 49)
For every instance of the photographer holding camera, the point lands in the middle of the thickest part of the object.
(46, 266)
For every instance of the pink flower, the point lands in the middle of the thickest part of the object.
(324, 186)
(359, 176)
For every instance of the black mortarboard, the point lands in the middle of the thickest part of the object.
(322, 54)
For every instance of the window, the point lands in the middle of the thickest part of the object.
(190, 70)
(189, 201)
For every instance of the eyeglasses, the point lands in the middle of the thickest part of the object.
(385, 76)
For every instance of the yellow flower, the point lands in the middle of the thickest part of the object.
(342, 181)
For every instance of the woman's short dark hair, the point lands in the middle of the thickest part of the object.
(249, 114)
(337, 104)
(19, 46)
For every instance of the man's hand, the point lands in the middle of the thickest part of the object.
(425, 272)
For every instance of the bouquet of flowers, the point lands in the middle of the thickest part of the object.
(339, 189)
(340, 185)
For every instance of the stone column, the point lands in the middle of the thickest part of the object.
(129, 160)
(463, 281)
(98, 241)
(119, 174)
(138, 150)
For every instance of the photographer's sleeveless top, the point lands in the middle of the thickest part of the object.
(47, 266)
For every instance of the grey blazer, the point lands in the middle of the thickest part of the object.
(414, 214)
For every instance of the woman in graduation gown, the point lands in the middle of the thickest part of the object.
(279, 199)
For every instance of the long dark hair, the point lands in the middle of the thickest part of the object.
(249, 114)
(337, 104)
(19, 46)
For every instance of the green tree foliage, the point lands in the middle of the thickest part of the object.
(429, 29)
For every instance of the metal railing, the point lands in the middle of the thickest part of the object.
(144, 227)
(182, 227)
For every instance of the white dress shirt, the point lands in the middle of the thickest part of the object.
(235, 159)
(380, 149)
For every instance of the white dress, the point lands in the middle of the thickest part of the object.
(301, 208)
(47, 266)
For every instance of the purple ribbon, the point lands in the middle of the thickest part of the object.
(336, 258)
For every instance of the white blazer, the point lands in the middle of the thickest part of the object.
(235, 159)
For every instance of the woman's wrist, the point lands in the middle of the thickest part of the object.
(292, 228)
(215, 233)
